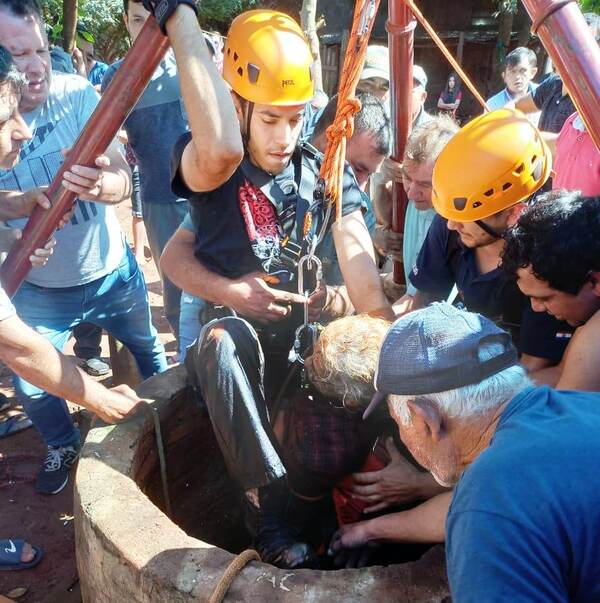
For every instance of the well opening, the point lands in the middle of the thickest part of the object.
(128, 549)
(205, 501)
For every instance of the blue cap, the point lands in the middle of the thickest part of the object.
(437, 349)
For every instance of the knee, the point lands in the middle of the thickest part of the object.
(225, 333)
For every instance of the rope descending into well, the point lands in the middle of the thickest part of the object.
(230, 574)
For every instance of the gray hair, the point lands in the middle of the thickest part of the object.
(9, 74)
(426, 142)
(471, 400)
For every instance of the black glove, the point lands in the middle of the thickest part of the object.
(163, 9)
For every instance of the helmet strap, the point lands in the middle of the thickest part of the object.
(249, 110)
(488, 229)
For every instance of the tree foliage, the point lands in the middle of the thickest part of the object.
(104, 20)
(590, 6)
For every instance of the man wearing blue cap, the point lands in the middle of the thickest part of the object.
(524, 518)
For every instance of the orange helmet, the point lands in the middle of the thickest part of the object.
(491, 164)
(267, 59)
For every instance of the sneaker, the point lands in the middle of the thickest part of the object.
(54, 475)
(95, 367)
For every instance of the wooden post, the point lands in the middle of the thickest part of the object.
(461, 46)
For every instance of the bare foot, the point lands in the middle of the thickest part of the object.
(27, 554)
(140, 259)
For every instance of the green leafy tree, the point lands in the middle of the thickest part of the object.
(590, 6)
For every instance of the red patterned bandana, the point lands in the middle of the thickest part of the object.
(261, 222)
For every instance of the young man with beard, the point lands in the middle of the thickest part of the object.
(249, 190)
(508, 162)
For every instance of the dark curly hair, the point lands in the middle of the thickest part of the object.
(559, 238)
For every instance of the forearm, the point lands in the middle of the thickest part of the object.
(185, 271)
(357, 262)
(425, 523)
(35, 359)
(210, 109)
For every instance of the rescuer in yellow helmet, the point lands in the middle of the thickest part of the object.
(249, 184)
(481, 182)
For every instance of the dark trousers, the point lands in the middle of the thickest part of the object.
(87, 341)
(237, 383)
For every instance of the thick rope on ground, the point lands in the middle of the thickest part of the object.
(230, 574)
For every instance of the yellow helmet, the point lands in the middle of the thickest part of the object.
(267, 59)
(491, 164)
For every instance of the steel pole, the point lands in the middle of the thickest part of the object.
(115, 105)
(400, 27)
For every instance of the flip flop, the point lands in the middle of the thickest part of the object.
(10, 555)
(14, 424)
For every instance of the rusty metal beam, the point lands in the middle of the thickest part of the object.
(575, 53)
(400, 27)
(119, 99)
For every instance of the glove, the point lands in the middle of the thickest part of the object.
(164, 9)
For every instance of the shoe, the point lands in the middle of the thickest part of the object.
(54, 475)
(282, 519)
(95, 367)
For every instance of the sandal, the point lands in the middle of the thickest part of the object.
(10, 555)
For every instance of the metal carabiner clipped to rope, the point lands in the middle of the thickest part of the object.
(307, 333)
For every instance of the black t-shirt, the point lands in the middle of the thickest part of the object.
(443, 261)
(555, 108)
(223, 242)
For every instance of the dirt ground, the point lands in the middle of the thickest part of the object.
(47, 521)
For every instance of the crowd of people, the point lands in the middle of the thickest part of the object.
(455, 409)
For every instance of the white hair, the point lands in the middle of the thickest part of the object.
(470, 400)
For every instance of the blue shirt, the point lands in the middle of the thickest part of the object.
(524, 523)
(153, 127)
(502, 98)
(444, 261)
(96, 75)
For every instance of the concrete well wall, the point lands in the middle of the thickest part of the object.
(129, 550)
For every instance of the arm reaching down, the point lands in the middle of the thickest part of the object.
(357, 262)
(35, 359)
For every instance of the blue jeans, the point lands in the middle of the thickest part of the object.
(190, 323)
(161, 221)
(117, 302)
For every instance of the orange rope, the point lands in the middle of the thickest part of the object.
(332, 169)
(429, 29)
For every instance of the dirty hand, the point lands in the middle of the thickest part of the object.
(251, 297)
(317, 301)
(86, 182)
(8, 237)
(397, 482)
(350, 546)
(119, 403)
(391, 170)
(164, 9)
